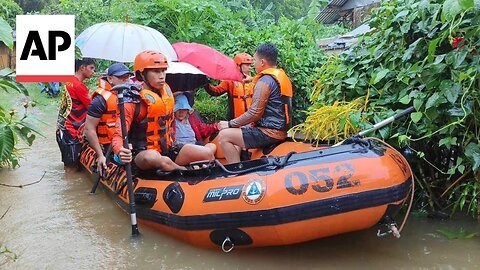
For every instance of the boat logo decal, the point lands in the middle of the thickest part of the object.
(254, 191)
(223, 193)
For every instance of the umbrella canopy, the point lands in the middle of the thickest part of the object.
(184, 77)
(121, 42)
(213, 63)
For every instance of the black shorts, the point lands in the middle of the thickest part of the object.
(255, 138)
(69, 147)
(173, 152)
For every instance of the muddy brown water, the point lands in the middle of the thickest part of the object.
(57, 224)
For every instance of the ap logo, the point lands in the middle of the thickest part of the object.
(45, 48)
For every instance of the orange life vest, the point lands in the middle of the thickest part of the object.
(241, 97)
(103, 83)
(106, 125)
(286, 90)
(154, 131)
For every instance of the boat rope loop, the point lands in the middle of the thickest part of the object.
(357, 139)
(227, 245)
(279, 162)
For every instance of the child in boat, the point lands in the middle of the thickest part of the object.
(188, 128)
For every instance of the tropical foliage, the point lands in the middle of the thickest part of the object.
(422, 54)
(11, 128)
(8, 10)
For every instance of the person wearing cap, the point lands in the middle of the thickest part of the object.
(239, 93)
(102, 81)
(102, 112)
(189, 129)
(148, 121)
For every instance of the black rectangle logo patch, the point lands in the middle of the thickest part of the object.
(223, 193)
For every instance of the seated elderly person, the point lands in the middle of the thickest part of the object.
(189, 129)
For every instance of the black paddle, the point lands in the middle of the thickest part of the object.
(381, 124)
(101, 174)
(128, 167)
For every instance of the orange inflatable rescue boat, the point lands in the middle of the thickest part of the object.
(283, 195)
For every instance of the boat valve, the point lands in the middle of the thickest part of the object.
(227, 245)
(391, 229)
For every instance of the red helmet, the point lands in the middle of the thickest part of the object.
(149, 59)
(243, 58)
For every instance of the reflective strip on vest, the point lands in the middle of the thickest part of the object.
(156, 125)
(106, 125)
(241, 97)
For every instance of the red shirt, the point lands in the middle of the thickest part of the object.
(80, 99)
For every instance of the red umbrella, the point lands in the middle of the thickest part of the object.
(213, 63)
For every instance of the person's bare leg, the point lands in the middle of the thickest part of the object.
(190, 153)
(151, 159)
(229, 140)
(212, 147)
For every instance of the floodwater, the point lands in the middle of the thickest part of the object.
(57, 224)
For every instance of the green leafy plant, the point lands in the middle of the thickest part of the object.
(212, 109)
(425, 54)
(9, 10)
(11, 128)
(7, 255)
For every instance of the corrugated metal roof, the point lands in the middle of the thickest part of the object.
(338, 8)
(329, 15)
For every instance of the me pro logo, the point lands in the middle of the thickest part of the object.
(45, 48)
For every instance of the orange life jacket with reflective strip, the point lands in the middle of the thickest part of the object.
(241, 97)
(285, 101)
(154, 131)
(103, 83)
(106, 125)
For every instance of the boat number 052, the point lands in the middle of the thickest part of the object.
(320, 179)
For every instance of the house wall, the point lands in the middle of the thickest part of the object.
(7, 57)
(361, 14)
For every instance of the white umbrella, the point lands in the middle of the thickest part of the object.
(121, 41)
(182, 68)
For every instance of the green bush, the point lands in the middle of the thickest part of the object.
(425, 54)
(211, 109)
(9, 10)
